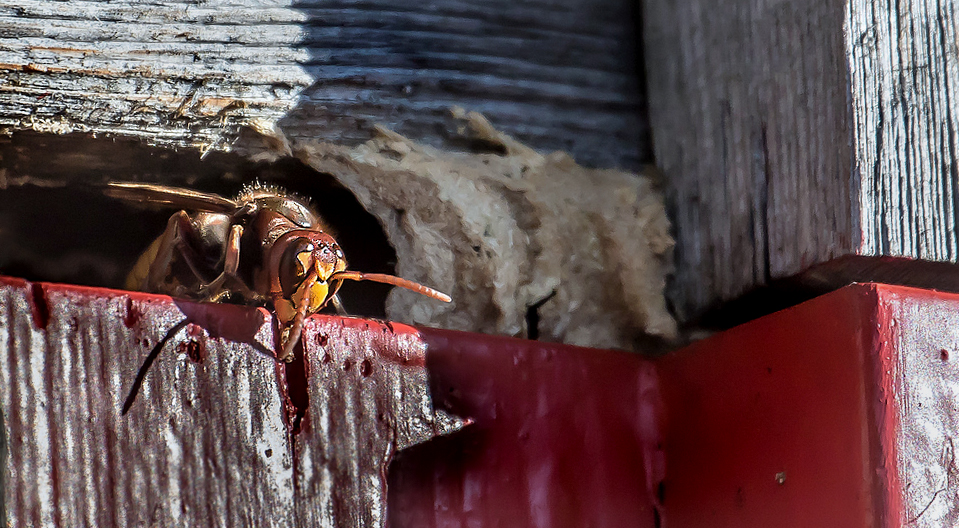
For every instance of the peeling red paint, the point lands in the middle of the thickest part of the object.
(199, 424)
(321, 339)
(195, 350)
(813, 416)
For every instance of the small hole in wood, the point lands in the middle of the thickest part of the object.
(366, 368)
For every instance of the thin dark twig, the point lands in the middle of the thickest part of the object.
(932, 500)
(142, 373)
(951, 450)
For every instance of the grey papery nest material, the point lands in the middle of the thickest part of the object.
(507, 230)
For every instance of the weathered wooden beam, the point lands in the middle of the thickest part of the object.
(795, 133)
(220, 433)
(175, 73)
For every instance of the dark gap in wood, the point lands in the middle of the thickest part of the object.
(763, 207)
(532, 316)
(821, 279)
(297, 387)
(949, 168)
(38, 306)
(775, 296)
(646, 140)
(884, 239)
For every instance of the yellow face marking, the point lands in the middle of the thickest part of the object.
(317, 292)
(325, 269)
(303, 262)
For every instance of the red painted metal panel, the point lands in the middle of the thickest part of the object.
(563, 437)
(770, 423)
(838, 412)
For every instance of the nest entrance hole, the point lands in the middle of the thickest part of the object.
(55, 225)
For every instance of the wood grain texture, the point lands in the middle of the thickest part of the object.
(904, 70)
(213, 439)
(369, 397)
(558, 75)
(794, 133)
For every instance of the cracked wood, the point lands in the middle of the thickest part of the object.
(805, 139)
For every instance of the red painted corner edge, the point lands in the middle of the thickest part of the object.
(816, 415)
(884, 393)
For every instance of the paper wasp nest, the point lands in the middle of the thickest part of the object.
(506, 233)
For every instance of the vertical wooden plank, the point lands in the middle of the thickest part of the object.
(796, 133)
(748, 103)
(903, 69)
(208, 421)
(368, 397)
